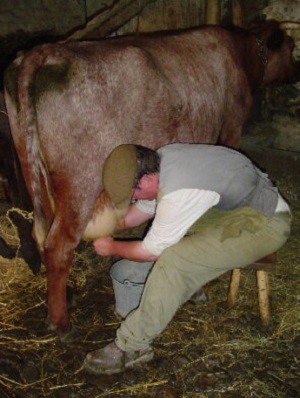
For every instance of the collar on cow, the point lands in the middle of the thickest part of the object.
(262, 51)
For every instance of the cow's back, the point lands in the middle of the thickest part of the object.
(145, 90)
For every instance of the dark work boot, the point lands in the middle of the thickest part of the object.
(111, 359)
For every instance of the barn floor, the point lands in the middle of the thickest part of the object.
(207, 351)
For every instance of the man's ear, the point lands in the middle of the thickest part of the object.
(148, 180)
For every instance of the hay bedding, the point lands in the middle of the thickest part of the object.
(207, 351)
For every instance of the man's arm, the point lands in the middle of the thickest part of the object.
(134, 218)
(175, 214)
(132, 250)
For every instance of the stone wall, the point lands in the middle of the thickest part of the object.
(279, 107)
(287, 12)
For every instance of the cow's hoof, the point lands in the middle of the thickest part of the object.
(69, 336)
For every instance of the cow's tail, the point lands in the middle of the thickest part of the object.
(33, 163)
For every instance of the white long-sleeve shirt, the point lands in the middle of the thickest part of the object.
(175, 213)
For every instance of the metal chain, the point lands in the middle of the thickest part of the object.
(261, 50)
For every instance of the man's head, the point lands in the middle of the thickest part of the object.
(125, 172)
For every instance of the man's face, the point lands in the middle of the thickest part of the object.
(147, 188)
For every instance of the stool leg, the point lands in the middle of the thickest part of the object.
(263, 296)
(234, 287)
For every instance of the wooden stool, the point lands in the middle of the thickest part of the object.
(261, 267)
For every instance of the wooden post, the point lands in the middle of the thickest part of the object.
(237, 13)
(213, 12)
(234, 287)
(263, 296)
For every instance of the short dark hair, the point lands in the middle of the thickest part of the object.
(148, 162)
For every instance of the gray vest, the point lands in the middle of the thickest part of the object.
(218, 169)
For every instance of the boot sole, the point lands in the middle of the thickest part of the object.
(148, 356)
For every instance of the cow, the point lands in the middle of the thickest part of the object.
(70, 103)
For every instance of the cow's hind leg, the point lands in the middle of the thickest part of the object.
(59, 247)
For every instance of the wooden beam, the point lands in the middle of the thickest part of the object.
(237, 13)
(110, 19)
(213, 12)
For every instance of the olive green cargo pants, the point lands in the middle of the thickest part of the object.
(217, 243)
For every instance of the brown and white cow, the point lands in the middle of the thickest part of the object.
(70, 104)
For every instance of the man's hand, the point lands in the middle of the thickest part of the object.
(104, 246)
(132, 250)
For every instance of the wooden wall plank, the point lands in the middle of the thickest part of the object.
(167, 15)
